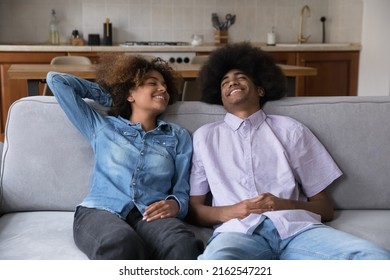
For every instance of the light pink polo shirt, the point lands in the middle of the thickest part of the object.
(238, 159)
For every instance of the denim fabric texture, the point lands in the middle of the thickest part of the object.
(318, 242)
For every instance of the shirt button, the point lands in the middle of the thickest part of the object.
(142, 153)
(133, 183)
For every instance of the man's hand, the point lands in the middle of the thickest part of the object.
(213, 215)
(161, 209)
(319, 204)
(257, 205)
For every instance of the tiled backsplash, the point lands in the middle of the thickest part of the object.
(27, 21)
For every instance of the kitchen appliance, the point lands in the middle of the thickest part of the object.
(170, 56)
(153, 43)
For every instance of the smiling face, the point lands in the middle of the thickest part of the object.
(239, 93)
(151, 96)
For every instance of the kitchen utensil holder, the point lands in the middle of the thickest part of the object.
(221, 37)
(77, 42)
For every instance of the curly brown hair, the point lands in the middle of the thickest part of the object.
(120, 73)
(258, 65)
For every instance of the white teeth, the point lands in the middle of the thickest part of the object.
(234, 91)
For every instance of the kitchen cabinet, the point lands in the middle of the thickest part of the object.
(288, 58)
(337, 72)
(12, 90)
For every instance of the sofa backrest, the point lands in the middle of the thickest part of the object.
(46, 163)
(356, 132)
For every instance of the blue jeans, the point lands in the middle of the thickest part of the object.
(319, 242)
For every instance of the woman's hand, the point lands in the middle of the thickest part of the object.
(161, 209)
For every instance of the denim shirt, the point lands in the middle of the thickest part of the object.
(132, 168)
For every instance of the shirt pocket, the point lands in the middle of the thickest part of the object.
(124, 137)
(164, 146)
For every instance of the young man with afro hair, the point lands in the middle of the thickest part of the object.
(267, 174)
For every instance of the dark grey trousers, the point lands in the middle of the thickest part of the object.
(102, 235)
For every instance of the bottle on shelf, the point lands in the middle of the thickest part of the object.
(54, 29)
(107, 33)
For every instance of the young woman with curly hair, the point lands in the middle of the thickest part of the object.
(267, 173)
(139, 186)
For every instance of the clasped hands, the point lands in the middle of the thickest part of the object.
(257, 205)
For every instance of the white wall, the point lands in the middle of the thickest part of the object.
(374, 71)
(27, 21)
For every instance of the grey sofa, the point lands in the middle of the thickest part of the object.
(46, 164)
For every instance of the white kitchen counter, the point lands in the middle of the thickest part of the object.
(283, 47)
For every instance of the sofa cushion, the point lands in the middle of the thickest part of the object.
(372, 225)
(49, 175)
(356, 132)
(193, 114)
(46, 162)
(38, 235)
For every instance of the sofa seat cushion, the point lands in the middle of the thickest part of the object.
(48, 235)
(40, 235)
(372, 225)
